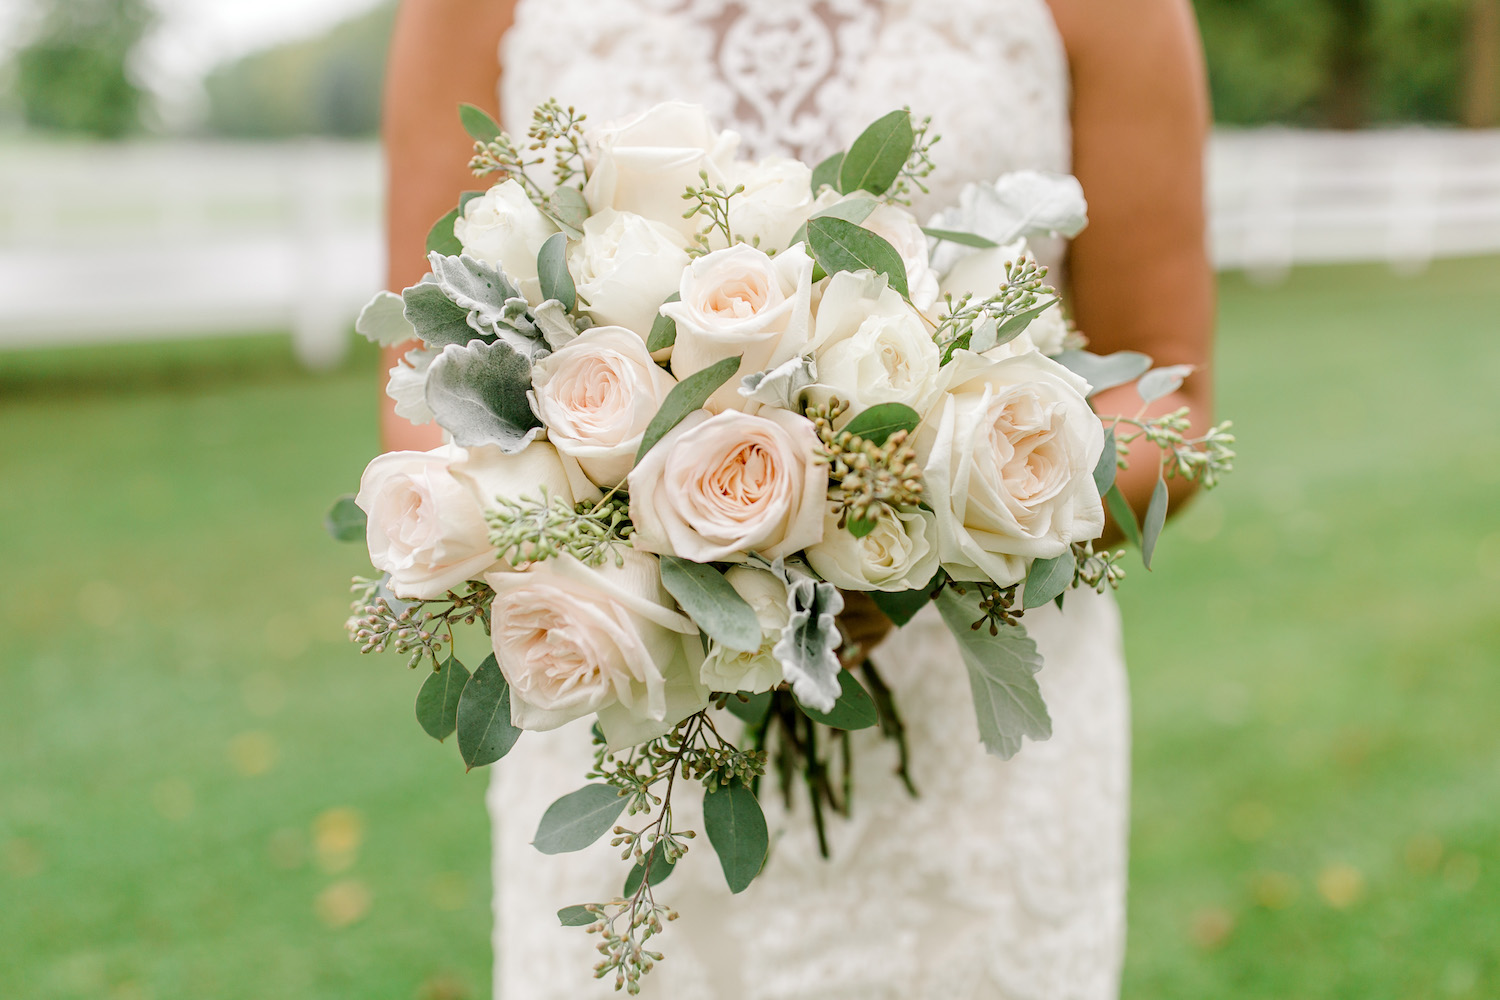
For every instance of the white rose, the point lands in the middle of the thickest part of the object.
(645, 164)
(625, 267)
(901, 230)
(503, 228)
(717, 487)
(574, 640)
(775, 203)
(872, 347)
(596, 396)
(1008, 453)
(740, 302)
(901, 553)
(425, 510)
(731, 670)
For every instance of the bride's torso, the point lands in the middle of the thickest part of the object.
(802, 78)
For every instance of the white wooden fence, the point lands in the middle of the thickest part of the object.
(153, 240)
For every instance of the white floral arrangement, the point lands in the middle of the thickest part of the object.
(690, 398)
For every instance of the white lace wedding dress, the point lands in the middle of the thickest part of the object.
(1006, 879)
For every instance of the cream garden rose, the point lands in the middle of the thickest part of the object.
(871, 347)
(901, 553)
(625, 267)
(503, 228)
(597, 395)
(740, 302)
(717, 487)
(731, 670)
(775, 203)
(425, 510)
(1008, 451)
(574, 640)
(644, 164)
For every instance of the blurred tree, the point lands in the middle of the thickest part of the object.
(1482, 65)
(75, 76)
(329, 85)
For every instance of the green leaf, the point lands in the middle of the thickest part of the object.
(855, 709)
(875, 159)
(663, 329)
(736, 828)
(1156, 517)
(578, 819)
(751, 712)
(569, 210)
(859, 527)
(880, 421)
(1002, 675)
(478, 394)
(686, 396)
(478, 123)
(961, 238)
(901, 606)
(1119, 509)
(437, 702)
(345, 521)
(660, 869)
(843, 246)
(485, 733)
(440, 238)
(855, 210)
(1105, 371)
(1159, 382)
(434, 316)
(1014, 325)
(1047, 578)
(712, 603)
(1104, 472)
(827, 173)
(552, 271)
(576, 916)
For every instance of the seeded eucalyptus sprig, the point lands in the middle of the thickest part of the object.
(997, 604)
(711, 202)
(1204, 459)
(562, 129)
(417, 629)
(918, 166)
(1099, 570)
(865, 477)
(530, 530)
(1023, 294)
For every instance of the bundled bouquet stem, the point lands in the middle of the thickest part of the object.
(691, 400)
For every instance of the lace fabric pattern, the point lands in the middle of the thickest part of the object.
(1005, 880)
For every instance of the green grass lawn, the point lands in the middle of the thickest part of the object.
(206, 793)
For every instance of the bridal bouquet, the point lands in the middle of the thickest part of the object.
(691, 399)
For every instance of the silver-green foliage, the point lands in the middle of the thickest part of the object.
(1002, 675)
(477, 392)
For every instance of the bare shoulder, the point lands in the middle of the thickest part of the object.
(1105, 35)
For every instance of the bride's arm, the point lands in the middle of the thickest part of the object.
(443, 53)
(1139, 274)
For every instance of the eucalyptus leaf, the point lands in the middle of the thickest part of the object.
(843, 246)
(345, 521)
(855, 709)
(660, 869)
(826, 174)
(1002, 675)
(1156, 518)
(482, 718)
(709, 600)
(437, 701)
(1047, 578)
(434, 317)
(901, 606)
(880, 421)
(876, 157)
(552, 271)
(383, 321)
(752, 711)
(477, 393)
(855, 210)
(809, 643)
(686, 396)
(1164, 381)
(576, 916)
(578, 819)
(478, 122)
(569, 209)
(1119, 509)
(736, 828)
(440, 238)
(1015, 324)
(961, 238)
(1104, 472)
(663, 329)
(1105, 371)
(859, 527)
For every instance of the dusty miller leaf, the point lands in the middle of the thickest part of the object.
(782, 386)
(1002, 675)
(477, 392)
(809, 643)
(383, 321)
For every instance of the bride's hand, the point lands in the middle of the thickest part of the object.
(863, 625)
